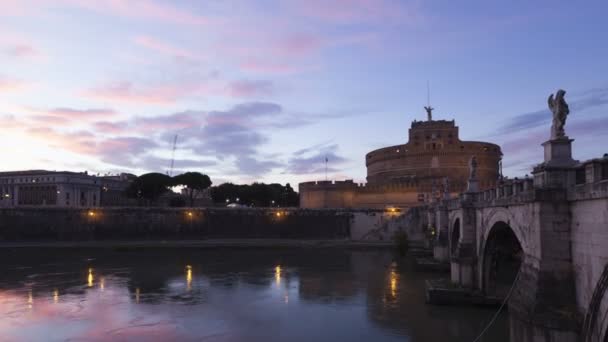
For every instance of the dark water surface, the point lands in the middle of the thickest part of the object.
(224, 295)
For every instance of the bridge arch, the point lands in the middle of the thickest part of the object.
(502, 256)
(595, 325)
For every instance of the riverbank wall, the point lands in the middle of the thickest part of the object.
(99, 224)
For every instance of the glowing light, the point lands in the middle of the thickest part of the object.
(137, 295)
(102, 284)
(394, 283)
(277, 274)
(90, 278)
(189, 277)
(279, 214)
(56, 296)
(91, 213)
(190, 213)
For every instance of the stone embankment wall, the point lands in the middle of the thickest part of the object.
(48, 224)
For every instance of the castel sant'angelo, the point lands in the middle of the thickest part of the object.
(434, 162)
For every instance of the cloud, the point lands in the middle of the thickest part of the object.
(156, 163)
(125, 91)
(120, 151)
(123, 151)
(111, 127)
(246, 88)
(521, 136)
(311, 160)
(251, 166)
(64, 115)
(165, 48)
(81, 142)
(173, 122)
(144, 9)
(10, 84)
(590, 99)
(22, 51)
(358, 11)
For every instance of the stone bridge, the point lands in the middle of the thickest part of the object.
(540, 241)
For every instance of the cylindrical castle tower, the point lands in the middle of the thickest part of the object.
(434, 151)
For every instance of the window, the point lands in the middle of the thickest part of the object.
(580, 176)
(604, 171)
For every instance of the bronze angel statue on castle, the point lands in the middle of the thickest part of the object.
(560, 110)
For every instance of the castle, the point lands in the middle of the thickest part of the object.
(433, 163)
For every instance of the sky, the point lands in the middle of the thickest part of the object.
(264, 91)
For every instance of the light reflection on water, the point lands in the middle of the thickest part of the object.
(224, 295)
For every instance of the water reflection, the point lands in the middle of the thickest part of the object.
(189, 277)
(394, 279)
(90, 278)
(234, 295)
(277, 275)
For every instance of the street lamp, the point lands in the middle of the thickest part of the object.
(237, 199)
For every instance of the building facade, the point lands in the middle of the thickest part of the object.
(62, 189)
(433, 163)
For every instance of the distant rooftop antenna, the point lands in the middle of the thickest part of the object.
(428, 108)
(173, 156)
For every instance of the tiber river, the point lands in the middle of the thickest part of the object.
(225, 295)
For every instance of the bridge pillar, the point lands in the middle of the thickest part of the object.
(463, 263)
(441, 248)
(542, 306)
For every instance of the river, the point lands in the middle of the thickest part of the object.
(189, 294)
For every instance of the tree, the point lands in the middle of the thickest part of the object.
(256, 194)
(149, 186)
(195, 182)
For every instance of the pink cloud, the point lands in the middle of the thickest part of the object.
(164, 48)
(152, 94)
(22, 51)
(78, 142)
(111, 127)
(10, 84)
(9, 122)
(64, 116)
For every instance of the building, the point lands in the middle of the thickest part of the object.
(433, 163)
(62, 189)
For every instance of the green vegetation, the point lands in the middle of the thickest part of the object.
(148, 187)
(194, 182)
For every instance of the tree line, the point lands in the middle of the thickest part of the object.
(149, 187)
(256, 195)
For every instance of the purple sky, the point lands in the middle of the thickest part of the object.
(265, 90)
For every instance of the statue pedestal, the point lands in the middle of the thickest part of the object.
(558, 152)
(472, 185)
(557, 171)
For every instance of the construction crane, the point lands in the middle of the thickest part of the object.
(173, 156)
